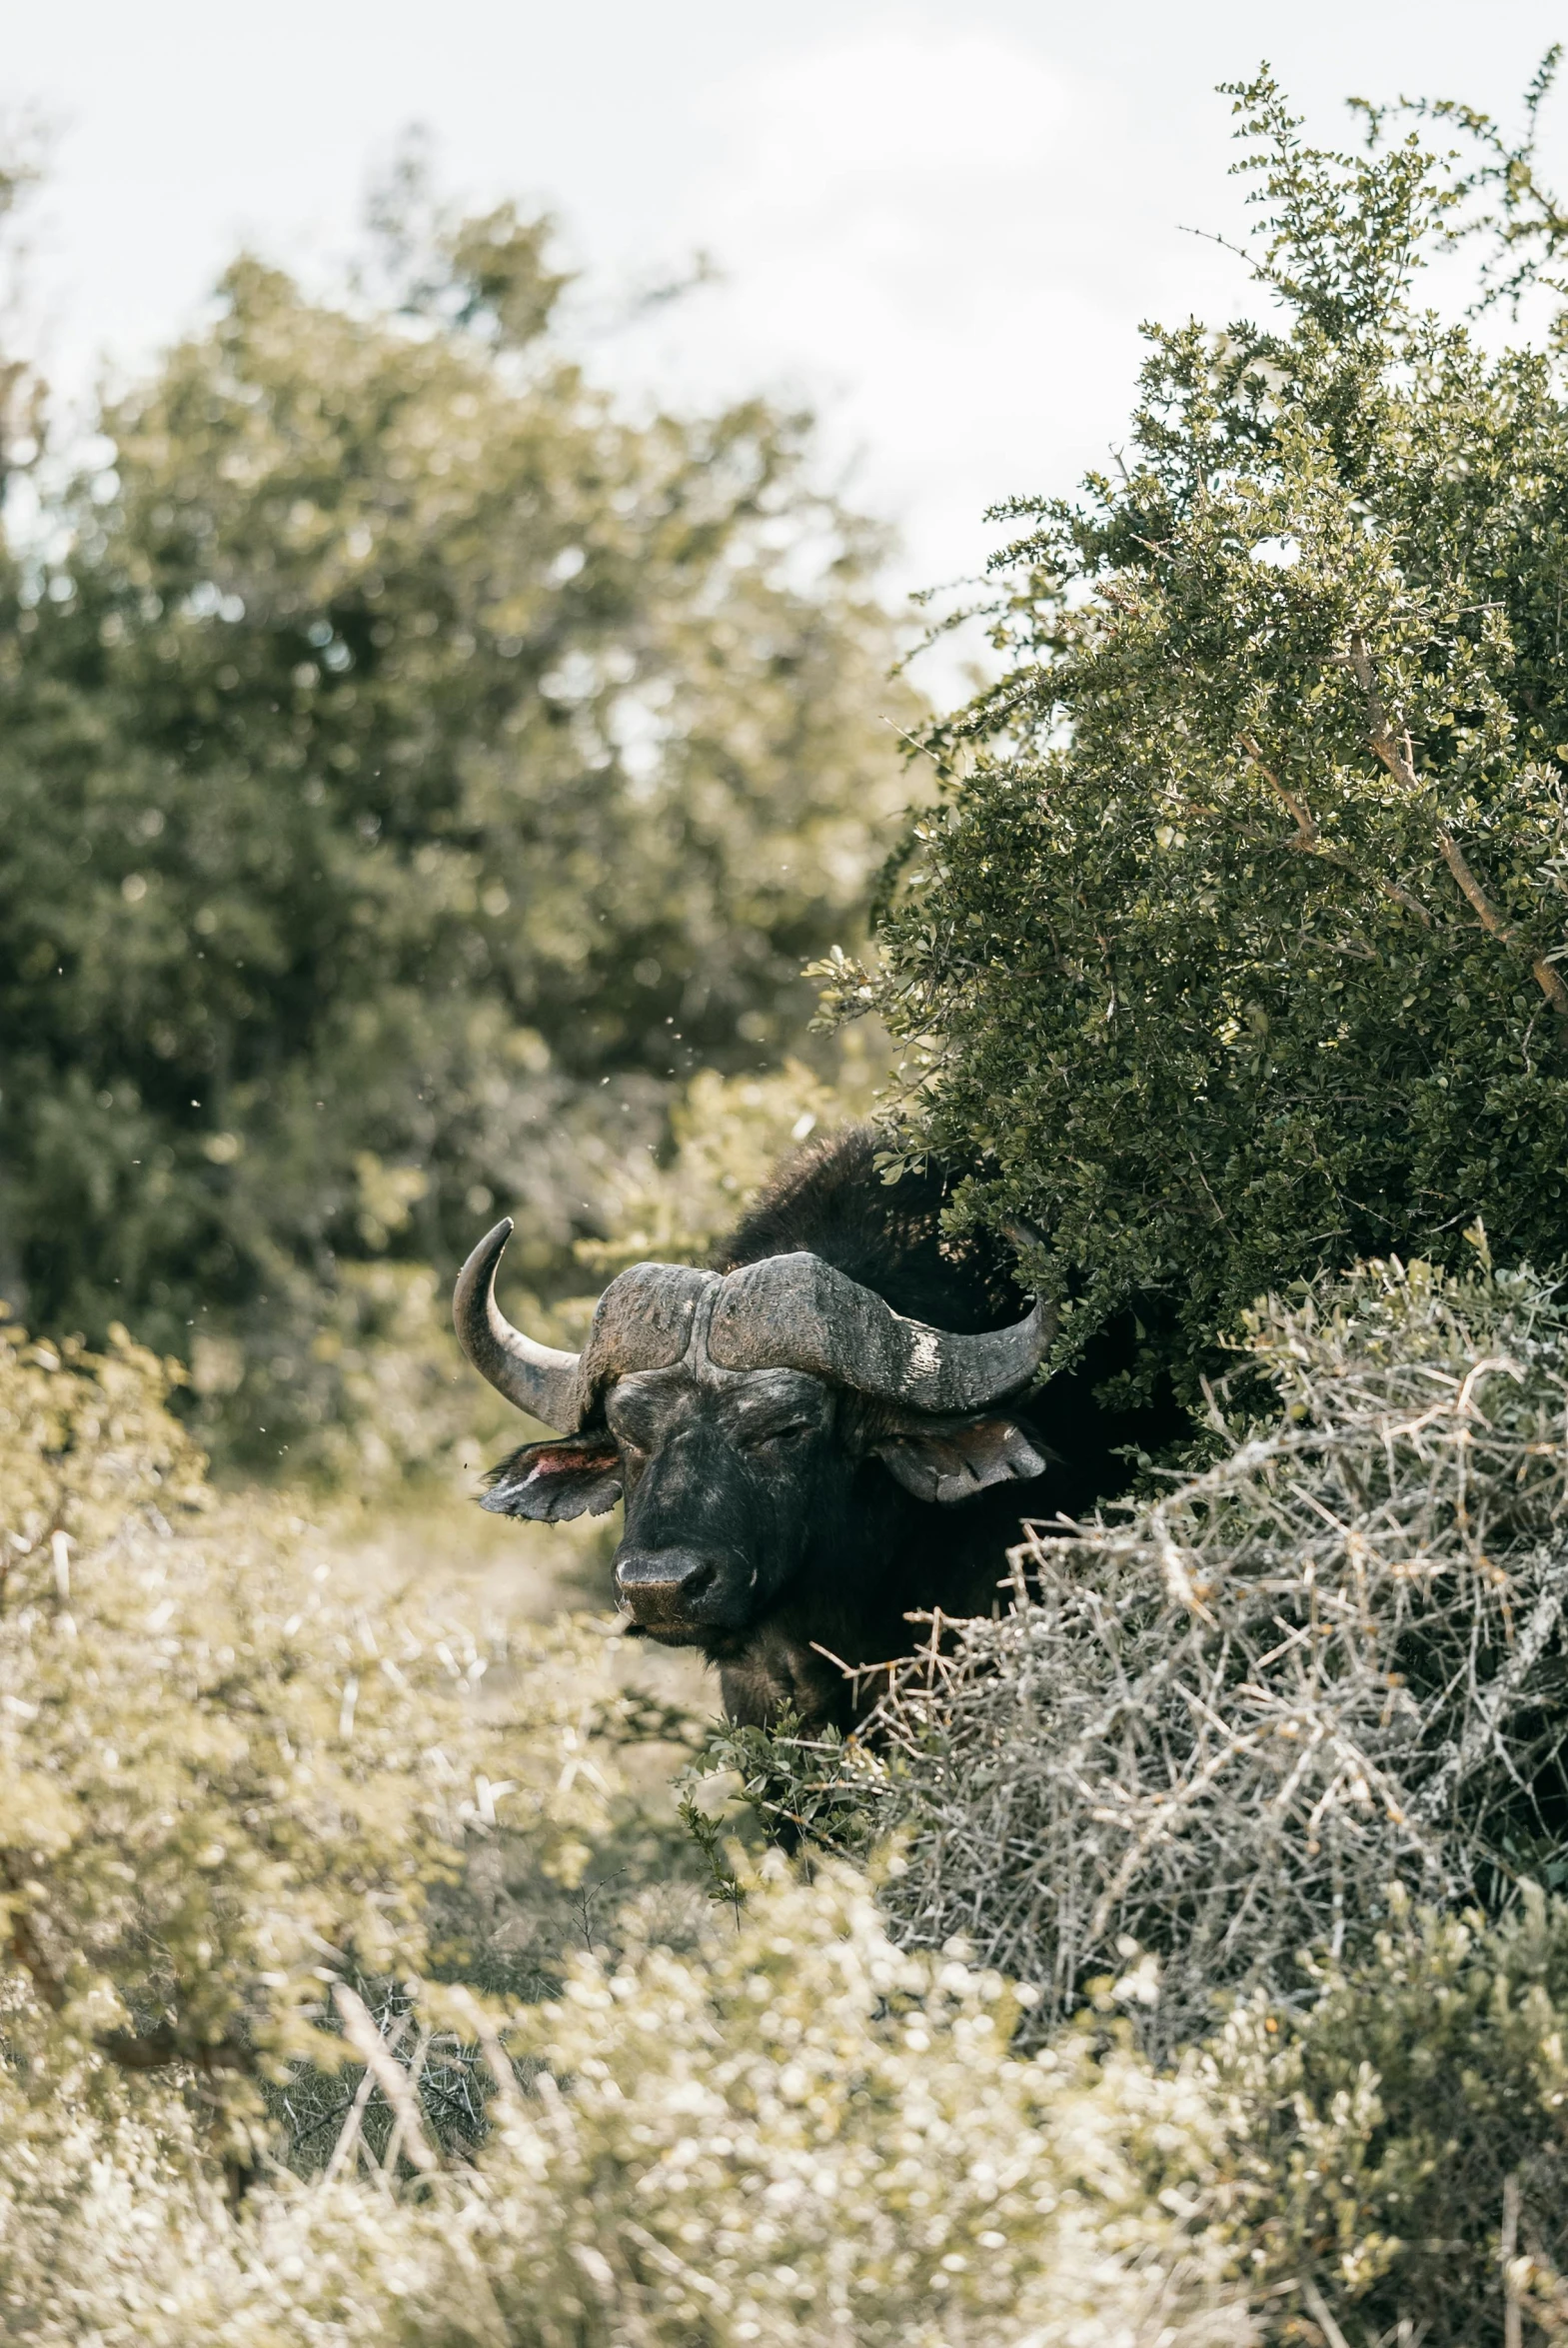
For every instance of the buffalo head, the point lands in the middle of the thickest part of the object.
(734, 1412)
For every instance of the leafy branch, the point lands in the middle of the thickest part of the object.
(1398, 756)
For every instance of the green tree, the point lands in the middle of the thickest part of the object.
(1234, 950)
(414, 764)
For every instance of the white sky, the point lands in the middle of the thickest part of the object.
(939, 223)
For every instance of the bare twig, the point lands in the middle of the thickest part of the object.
(1318, 2309)
(558, 2118)
(393, 2080)
(496, 2058)
(1395, 755)
(395, 2141)
(1398, 758)
(347, 2137)
(1513, 2332)
(1482, 1727)
(1307, 834)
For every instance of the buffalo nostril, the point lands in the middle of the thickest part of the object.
(663, 1578)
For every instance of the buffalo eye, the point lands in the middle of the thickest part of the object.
(755, 1438)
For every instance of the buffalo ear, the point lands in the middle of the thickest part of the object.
(575, 1475)
(949, 1459)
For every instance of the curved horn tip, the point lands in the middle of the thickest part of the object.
(537, 1378)
(797, 1312)
(478, 1268)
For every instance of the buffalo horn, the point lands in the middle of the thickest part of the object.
(797, 1312)
(644, 1320)
(537, 1378)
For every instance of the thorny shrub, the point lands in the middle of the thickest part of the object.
(1216, 1732)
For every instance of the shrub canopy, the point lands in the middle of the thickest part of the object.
(1235, 949)
(413, 764)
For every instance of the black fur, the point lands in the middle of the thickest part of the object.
(895, 1555)
(831, 1201)
(792, 1510)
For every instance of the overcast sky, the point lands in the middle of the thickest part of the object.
(940, 223)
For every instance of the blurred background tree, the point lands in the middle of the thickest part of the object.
(413, 766)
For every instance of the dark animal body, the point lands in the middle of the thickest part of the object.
(817, 1438)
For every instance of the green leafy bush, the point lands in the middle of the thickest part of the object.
(1234, 951)
(1399, 2153)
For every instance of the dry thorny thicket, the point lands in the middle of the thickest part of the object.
(789, 2130)
(1214, 1735)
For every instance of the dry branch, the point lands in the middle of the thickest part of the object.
(1215, 1735)
(349, 2136)
(1396, 755)
(1491, 919)
(393, 2080)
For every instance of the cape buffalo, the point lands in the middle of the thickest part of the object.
(822, 1435)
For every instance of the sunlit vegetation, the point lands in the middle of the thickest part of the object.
(424, 781)
(416, 764)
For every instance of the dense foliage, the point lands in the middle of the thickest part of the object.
(1236, 947)
(411, 765)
